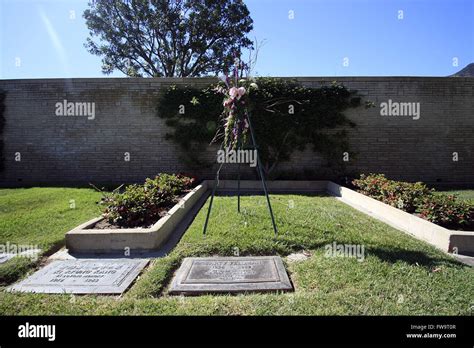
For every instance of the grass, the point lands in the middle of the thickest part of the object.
(40, 217)
(398, 276)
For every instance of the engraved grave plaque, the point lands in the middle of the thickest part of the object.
(86, 276)
(230, 274)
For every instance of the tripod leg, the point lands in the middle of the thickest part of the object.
(267, 196)
(210, 204)
(238, 187)
(262, 177)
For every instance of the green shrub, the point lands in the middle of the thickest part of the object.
(402, 195)
(447, 211)
(175, 183)
(143, 205)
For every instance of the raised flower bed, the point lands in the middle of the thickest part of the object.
(416, 198)
(448, 240)
(138, 219)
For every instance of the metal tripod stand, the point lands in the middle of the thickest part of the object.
(262, 178)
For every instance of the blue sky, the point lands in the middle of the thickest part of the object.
(42, 39)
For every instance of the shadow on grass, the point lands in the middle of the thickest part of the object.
(412, 257)
(15, 269)
(286, 245)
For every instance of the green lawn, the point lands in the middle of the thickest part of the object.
(399, 275)
(40, 217)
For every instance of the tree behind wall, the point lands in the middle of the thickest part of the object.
(171, 38)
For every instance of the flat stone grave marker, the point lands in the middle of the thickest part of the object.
(83, 276)
(230, 274)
